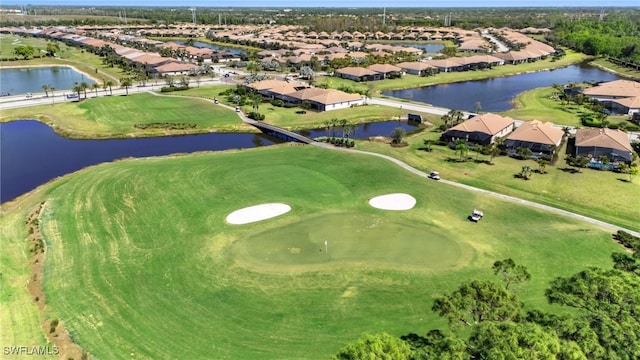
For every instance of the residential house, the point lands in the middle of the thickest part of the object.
(325, 99)
(417, 68)
(175, 68)
(482, 129)
(596, 142)
(542, 138)
(618, 96)
(387, 70)
(358, 74)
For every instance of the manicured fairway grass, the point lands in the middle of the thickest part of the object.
(141, 263)
(117, 116)
(602, 195)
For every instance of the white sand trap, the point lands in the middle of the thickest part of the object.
(393, 202)
(257, 213)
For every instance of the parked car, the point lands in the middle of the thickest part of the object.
(434, 175)
(72, 96)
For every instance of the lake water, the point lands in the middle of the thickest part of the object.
(497, 94)
(429, 48)
(199, 44)
(31, 153)
(24, 80)
(363, 131)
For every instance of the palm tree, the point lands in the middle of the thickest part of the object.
(343, 123)
(334, 123)
(350, 129)
(456, 114)
(327, 126)
(95, 86)
(525, 173)
(446, 119)
(542, 164)
(494, 150)
(478, 149)
(108, 84)
(46, 89)
(461, 148)
(125, 83)
(84, 86)
(256, 101)
(77, 89)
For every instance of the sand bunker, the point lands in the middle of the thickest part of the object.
(257, 213)
(393, 202)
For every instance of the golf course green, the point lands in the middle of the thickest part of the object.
(141, 263)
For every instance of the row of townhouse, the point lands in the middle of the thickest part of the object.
(156, 63)
(296, 93)
(542, 138)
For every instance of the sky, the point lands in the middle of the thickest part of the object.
(332, 3)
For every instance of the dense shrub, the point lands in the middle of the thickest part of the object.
(277, 102)
(255, 116)
(628, 240)
(166, 89)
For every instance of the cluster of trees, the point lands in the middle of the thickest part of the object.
(346, 130)
(615, 36)
(487, 319)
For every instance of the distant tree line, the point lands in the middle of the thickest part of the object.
(616, 36)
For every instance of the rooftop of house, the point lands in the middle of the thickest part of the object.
(488, 123)
(603, 138)
(537, 132)
(621, 88)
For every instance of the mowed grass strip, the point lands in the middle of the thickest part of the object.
(117, 116)
(141, 263)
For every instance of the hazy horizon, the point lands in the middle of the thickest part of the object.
(329, 3)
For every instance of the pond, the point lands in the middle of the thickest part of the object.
(199, 44)
(428, 48)
(363, 131)
(31, 153)
(497, 94)
(30, 79)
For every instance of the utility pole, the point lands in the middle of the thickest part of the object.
(384, 16)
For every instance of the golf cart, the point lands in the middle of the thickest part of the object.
(476, 215)
(434, 175)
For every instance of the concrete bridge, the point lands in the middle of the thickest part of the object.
(279, 133)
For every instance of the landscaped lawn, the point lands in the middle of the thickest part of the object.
(141, 262)
(599, 194)
(542, 104)
(620, 70)
(294, 119)
(117, 116)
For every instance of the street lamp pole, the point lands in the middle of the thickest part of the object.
(53, 96)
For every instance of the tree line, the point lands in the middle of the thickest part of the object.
(615, 36)
(486, 319)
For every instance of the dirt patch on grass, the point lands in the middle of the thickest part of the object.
(54, 329)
